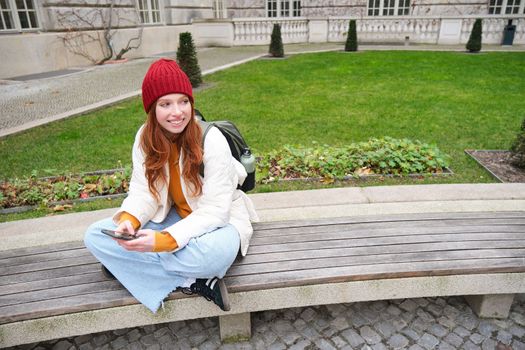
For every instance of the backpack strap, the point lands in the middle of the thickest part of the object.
(205, 127)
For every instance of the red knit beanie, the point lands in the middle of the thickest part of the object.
(164, 77)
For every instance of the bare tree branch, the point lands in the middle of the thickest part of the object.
(97, 27)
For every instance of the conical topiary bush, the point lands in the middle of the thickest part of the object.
(474, 41)
(351, 39)
(187, 59)
(276, 43)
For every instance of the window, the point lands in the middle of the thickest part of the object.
(149, 11)
(389, 7)
(283, 8)
(495, 7)
(18, 15)
(373, 7)
(512, 7)
(219, 11)
(404, 8)
(272, 8)
(508, 7)
(296, 8)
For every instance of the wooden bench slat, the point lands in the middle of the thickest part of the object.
(412, 226)
(53, 283)
(40, 249)
(261, 226)
(335, 243)
(261, 258)
(369, 272)
(364, 258)
(60, 306)
(59, 292)
(410, 235)
(82, 260)
(47, 274)
(254, 282)
(44, 257)
(383, 259)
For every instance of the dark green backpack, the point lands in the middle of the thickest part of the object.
(238, 146)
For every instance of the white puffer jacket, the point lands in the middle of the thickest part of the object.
(219, 204)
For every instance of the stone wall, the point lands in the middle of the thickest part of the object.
(245, 8)
(358, 8)
(184, 11)
(86, 14)
(44, 52)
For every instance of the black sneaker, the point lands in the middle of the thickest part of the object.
(212, 289)
(107, 273)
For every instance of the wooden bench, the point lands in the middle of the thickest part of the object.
(58, 290)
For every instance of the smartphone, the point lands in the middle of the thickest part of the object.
(119, 235)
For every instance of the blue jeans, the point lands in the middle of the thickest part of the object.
(150, 277)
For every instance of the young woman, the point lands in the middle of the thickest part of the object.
(188, 228)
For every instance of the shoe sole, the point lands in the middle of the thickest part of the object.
(225, 296)
(107, 273)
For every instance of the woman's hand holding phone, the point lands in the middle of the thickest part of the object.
(145, 241)
(142, 241)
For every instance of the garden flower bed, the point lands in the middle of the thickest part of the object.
(27, 193)
(376, 157)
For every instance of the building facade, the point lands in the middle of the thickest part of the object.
(45, 35)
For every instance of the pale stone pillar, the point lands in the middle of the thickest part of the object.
(213, 32)
(317, 30)
(235, 328)
(491, 305)
(450, 31)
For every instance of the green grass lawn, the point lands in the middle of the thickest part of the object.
(455, 100)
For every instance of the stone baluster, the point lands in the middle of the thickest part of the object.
(252, 32)
(331, 29)
(487, 27)
(467, 28)
(435, 29)
(261, 31)
(520, 30)
(340, 29)
(242, 31)
(235, 32)
(423, 33)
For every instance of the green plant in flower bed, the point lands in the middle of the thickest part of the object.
(377, 156)
(35, 191)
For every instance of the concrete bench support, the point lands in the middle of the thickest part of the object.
(491, 305)
(236, 327)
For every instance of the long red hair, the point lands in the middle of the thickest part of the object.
(156, 144)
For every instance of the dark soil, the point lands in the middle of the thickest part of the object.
(498, 163)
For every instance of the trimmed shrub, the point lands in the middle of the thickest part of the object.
(474, 41)
(518, 148)
(187, 59)
(351, 39)
(276, 44)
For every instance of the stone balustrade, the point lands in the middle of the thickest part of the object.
(492, 29)
(387, 30)
(424, 30)
(421, 30)
(255, 31)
